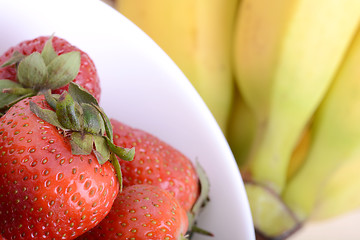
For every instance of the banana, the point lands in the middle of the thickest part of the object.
(340, 194)
(299, 154)
(197, 35)
(286, 54)
(328, 176)
(241, 129)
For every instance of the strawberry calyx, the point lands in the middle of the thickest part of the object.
(80, 118)
(38, 72)
(200, 203)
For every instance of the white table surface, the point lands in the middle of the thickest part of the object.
(345, 227)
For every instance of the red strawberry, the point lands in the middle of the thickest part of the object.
(47, 191)
(87, 76)
(142, 212)
(157, 163)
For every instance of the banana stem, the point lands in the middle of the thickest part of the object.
(260, 236)
(273, 219)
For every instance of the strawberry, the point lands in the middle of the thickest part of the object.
(86, 76)
(142, 212)
(55, 180)
(157, 163)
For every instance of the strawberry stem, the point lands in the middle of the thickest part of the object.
(196, 229)
(182, 237)
(18, 91)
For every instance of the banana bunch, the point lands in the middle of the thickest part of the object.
(295, 63)
(281, 78)
(329, 173)
(197, 35)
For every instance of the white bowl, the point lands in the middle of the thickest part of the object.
(142, 87)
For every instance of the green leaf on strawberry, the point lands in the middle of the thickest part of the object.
(15, 59)
(48, 52)
(32, 71)
(46, 70)
(45, 114)
(126, 153)
(102, 151)
(81, 144)
(78, 114)
(12, 92)
(50, 48)
(93, 122)
(62, 70)
(200, 203)
(38, 72)
(68, 113)
(81, 95)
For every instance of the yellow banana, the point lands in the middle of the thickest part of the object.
(241, 129)
(326, 176)
(341, 193)
(286, 54)
(298, 156)
(197, 35)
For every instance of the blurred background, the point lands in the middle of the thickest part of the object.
(268, 72)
